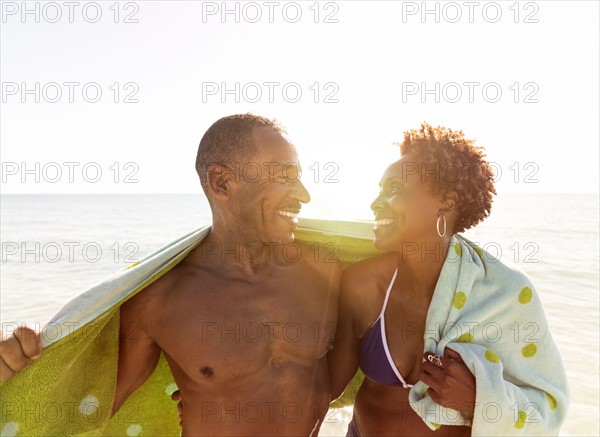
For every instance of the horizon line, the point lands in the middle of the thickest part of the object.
(201, 193)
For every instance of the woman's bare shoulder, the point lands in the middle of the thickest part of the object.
(371, 270)
(363, 288)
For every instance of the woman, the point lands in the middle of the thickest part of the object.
(418, 319)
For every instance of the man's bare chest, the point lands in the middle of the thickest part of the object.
(212, 332)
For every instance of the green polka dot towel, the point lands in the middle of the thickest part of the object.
(492, 316)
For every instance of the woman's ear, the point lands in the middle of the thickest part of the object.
(449, 203)
(219, 179)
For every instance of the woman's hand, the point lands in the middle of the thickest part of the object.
(451, 383)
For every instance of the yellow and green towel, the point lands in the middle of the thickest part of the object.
(69, 389)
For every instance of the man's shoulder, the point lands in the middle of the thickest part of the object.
(321, 257)
(146, 305)
(159, 287)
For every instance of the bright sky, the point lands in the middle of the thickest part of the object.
(361, 69)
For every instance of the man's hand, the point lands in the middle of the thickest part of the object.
(176, 396)
(451, 383)
(18, 351)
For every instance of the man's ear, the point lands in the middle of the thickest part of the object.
(219, 178)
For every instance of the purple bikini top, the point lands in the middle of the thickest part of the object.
(375, 358)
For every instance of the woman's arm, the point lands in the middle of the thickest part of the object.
(343, 358)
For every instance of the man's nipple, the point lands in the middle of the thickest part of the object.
(207, 372)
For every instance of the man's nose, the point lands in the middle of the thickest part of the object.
(300, 193)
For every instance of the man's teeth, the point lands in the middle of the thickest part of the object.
(287, 214)
(384, 222)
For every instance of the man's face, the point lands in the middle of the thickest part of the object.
(269, 193)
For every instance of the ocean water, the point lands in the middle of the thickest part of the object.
(56, 246)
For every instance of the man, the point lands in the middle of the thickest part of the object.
(246, 319)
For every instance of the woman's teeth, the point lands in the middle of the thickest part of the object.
(384, 222)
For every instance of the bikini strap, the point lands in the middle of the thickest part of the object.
(387, 293)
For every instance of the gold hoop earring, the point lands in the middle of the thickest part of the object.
(437, 225)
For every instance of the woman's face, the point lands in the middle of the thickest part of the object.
(405, 210)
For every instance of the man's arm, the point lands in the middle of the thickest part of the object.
(138, 353)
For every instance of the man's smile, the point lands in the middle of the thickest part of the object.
(290, 215)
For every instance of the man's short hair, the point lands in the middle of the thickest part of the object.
(229, 141)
